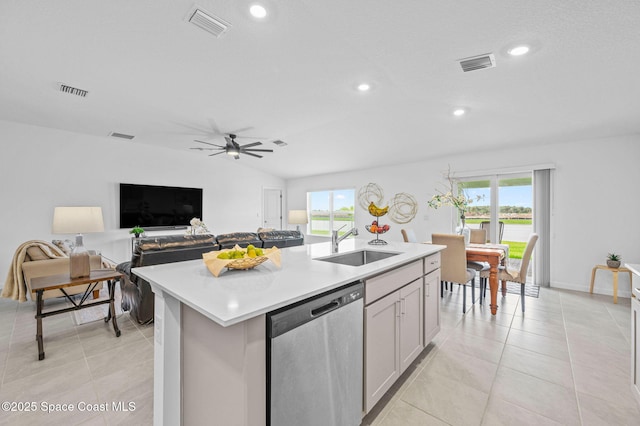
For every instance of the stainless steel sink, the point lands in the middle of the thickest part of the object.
(357, 258)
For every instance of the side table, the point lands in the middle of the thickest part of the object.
(615, 279)
(60, 281)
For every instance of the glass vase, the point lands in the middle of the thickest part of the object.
(79, 266)
(463, 230)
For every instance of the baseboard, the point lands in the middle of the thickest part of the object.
(622, 292)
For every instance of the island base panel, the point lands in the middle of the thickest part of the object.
(223, 371)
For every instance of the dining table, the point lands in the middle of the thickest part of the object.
(495, 255)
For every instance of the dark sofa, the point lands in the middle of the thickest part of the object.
(264, 239)
(137, 296)
(281, 238)
(242, 239)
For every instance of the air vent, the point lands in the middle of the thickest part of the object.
(280, 143)
(121, 135)
(478, 62)
(73, 90)
(208, 22)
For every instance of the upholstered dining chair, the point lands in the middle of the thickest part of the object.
(514, 275)
(453, 265)
(478, 236)
(409, 236)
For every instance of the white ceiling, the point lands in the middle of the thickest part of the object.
(152, 74)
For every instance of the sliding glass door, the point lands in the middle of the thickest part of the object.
(505, 210)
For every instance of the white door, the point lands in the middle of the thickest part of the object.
(272, 208)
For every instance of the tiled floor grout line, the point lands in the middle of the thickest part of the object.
(618, 325)
(571, 364)
(6, 361)
(493, 382)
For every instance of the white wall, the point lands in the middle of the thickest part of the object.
(42, 168)
(595, 201)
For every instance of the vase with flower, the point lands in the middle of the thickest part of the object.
(457, 199)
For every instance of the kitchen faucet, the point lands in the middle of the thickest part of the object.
(335, 240)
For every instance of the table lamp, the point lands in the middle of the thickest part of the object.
(298, 217)
(78, 220)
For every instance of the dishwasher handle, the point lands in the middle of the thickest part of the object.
(289, 317)
(334, 304)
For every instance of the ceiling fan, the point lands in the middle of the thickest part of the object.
(233, 148)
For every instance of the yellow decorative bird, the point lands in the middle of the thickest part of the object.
(377, 211)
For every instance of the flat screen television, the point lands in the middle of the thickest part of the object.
(158, 207)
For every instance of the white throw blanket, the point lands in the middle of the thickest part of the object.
(14, 287)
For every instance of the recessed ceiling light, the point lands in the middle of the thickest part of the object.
(459, 112)
(364, 87)
(519, 51)
(258, 11)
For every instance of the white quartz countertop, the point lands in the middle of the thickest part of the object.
(635, 268)
(236, 296)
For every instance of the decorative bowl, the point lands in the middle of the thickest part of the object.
(246, 262)
(368, 228)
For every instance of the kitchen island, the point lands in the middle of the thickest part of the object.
(635, 332)
(210, 341)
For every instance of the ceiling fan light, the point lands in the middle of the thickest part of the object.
(233, 152)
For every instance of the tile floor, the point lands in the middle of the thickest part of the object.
(85, 365)
(566, 361)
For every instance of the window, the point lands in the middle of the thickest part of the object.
(331, 210)
(507, 200)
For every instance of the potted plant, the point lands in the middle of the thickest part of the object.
(137, 231)
(613, 260)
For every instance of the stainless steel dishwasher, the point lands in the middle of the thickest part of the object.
(314, 360)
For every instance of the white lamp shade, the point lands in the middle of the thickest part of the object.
(298, 217)
(77, 220)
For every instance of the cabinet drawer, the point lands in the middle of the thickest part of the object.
(386, 283)
(431, 263)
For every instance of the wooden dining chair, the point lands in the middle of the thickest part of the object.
(453, 265)
(408, 236)
(514, 275)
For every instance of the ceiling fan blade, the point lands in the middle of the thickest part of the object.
(228, 139)
(251, 144)
(217, 153)
(244, 129)
(253, 155)
(205, 149)
(258, 150)
(208, 143)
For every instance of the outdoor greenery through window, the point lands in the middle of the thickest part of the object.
(514, 209)
(331, 210)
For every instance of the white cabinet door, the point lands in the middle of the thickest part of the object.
(382, 337)
(431, 306)
(635, 348)
(411, 323)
